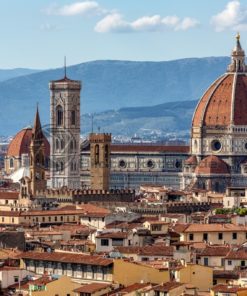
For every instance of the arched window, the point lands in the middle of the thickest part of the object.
(96, 154)
(62, 144)
(74, 166)
(37, 160)
(73, 115)
(61, 166)
(57, 166)
(57, 144)
(11, 163)
(59, 113)
(71, 146)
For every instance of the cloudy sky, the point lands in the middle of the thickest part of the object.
(37, 34)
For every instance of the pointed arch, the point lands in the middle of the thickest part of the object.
(59, 115)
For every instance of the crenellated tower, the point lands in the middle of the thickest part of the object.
(100, 153)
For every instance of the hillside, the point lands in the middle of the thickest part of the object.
(110, 85)
(172, 118)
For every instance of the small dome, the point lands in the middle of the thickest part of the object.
(21, 143)
(212, 165)
(192, 160)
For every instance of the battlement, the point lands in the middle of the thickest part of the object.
(99, 138)
(88, 195)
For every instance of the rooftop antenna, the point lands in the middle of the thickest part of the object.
(98, 129)
(92, 123)
(65, 67)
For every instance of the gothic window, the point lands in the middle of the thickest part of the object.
(57, 144)
(59, 112)
(71, 145)
(11, 163)
(96, 154)
(37, 160)
(62, 144)
(61, 166)
(74, 166)
(73, 115)
(57, 166)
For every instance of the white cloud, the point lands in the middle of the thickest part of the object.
(77, 8)
(233, 16)
(112, 23)
(115, 22)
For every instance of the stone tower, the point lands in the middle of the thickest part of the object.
(37, 157)
(65, 133)
(100, 154)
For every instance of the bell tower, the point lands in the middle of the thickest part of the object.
(65, 133)
(100, 153)
(37, 157)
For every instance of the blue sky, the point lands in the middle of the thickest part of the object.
(37, 34)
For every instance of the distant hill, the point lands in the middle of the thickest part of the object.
(167, 118)
(111, 85)
(6, 74)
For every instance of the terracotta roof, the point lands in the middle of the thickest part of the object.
(84, 210)
(224, 100)
(67, 258)
(134, 287)
(215, 228)
(179, 227)
(228, 289)
(149, 148)
(65, 79)
(9, 195)
(166, 287)
(192, 160)
(154, 250)
(226, 274)
(212, 165)
(92, 288)
(21, 142)
(220, 251)
(113, 235)
(237, 254)
(10, 213)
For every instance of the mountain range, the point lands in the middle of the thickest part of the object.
(116, 92)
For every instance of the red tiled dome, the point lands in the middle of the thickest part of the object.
(212, 165)
(21, 143)
(224, 103)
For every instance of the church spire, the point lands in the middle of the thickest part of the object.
(37, 133)
(238, 58)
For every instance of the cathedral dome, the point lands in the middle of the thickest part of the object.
(212, 165)
(225, 102)
(21, 142)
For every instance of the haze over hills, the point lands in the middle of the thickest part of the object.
(6, 74)
(116, 85)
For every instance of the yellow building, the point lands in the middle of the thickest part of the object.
(64, 286)
(197, 275)
(127, 273)
(214, 233)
